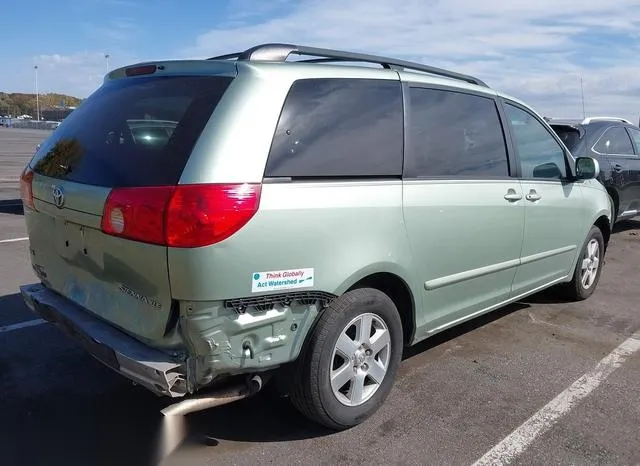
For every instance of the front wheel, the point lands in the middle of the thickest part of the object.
(350, 361)
(589, 267)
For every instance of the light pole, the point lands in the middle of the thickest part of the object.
(106, 57)
(35, 68)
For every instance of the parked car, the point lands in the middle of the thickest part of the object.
(303, 222)
(615, 143)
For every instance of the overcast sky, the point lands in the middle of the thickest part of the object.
(535, 50)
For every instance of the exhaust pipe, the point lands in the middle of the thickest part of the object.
(174, 427)
(217, 398)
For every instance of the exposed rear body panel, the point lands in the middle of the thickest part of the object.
(135, 133)
(121, 281)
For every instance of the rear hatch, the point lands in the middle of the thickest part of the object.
(99, 188)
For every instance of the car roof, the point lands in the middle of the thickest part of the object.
(590, 121)
(565, 121)
(281, 52)
(342, 63)
(273, 57)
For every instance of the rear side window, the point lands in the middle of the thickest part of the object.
(339, 128)
(614, 141)
(132, 132)
(635, 134)
(454, 134)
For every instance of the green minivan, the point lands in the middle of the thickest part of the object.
(205, 224)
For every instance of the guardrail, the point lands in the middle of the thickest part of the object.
(30, 124)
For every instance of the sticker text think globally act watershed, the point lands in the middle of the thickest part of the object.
(281, 280)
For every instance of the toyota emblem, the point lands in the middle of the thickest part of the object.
(58, 196)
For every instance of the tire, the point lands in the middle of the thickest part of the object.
(312, 392)
(580, 288)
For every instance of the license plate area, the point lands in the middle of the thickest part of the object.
(78, 243)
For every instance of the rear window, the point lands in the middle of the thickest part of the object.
(570, 136)
(132, 132)
(339, 128)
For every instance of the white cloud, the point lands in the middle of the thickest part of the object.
(78, 74)
(536, 51)
(533, 50)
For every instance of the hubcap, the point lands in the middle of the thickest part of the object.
(360, 359)
(590, 264)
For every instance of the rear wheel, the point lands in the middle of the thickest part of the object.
(589, 266)
(350, 362)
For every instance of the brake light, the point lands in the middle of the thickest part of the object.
(140, 70)
(184, 216)
(26, 188)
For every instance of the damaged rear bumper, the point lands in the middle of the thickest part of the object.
(149, 367)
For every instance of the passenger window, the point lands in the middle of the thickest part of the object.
(339, 128)
(454, 134)
(614, 141)
(541, 156)
(635, 134)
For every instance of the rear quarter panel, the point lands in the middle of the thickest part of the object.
(343, 231)
(299, 225)
(234, 146)
(596, 204)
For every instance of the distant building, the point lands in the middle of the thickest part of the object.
(56, 113)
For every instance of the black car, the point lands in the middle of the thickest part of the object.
(615, 143)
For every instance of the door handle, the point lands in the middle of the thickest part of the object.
(533, 196)
(617, 167)
(512, 195)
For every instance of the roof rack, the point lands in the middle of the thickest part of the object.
(586, 121)
(280, 53)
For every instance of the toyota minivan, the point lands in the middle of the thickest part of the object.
(251, 217)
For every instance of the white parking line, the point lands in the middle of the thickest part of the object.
(28, 323)
(13, 240)
(518, 441)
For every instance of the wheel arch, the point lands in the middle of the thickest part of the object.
(400, 293)
(603, 223)
(615, 197)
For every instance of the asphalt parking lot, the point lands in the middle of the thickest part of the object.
(539, 382)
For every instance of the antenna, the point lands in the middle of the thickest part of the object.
(584, 114)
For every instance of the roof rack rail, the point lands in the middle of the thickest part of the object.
(280, 53)
(588, 120)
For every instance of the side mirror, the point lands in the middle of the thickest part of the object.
(587, 168)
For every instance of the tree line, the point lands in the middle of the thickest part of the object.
(17, 104)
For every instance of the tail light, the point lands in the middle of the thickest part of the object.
(26, 188)
(137, 213)
(183, 216)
